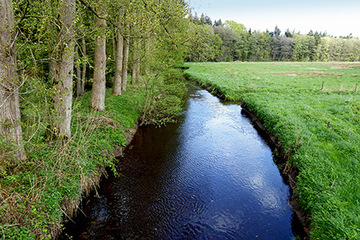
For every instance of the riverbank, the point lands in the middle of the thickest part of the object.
(188, 179)
(288, 171)
(313, 110)
(38, 196)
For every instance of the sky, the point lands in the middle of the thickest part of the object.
(335, 17)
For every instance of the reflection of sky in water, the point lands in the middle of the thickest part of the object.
(209, 177)
(256, 181)
(234, 166)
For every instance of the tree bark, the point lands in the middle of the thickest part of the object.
(125, 64)
(62, 74)
(135, 58)
(99, 84)
(138, 69)
(83, 75)
(11, 142)
(136, 62)
(118, 64)
(78, 74)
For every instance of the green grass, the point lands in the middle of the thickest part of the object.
(293, 104)
(34, 195)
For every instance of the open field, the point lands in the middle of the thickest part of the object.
(314, 110)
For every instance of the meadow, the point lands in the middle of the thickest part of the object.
(314, 110)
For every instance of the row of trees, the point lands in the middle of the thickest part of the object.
(231, 41)
(74, 44)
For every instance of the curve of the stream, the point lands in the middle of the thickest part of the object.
(210, 176)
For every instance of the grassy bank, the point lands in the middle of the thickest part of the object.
(35, 196)
(314, 110)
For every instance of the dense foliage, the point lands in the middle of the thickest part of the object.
(231, 41)
(314, 110)
(97, 44)
(50, 38)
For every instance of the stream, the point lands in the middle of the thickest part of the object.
(209, 176)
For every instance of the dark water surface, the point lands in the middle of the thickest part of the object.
(210, 176)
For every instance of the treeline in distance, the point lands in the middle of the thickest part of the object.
(231, 41)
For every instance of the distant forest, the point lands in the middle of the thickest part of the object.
(231, 41)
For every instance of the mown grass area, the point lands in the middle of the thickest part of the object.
(36, 195)
(314, 110)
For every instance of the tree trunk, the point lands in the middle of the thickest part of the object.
(138, 69)
(78, 74)
(62, 74)
(114, 47)
(135, 59)
(11, 143)
(83, 75)
(118, 64)
(99, 84)
(125, 64)
(138, 62)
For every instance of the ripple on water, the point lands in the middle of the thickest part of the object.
(209, 177)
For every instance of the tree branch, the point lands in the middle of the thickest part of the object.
(94, 12)
(24, 14)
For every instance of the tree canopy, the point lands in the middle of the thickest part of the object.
(240, 44)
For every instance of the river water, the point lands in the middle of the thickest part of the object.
(210, 176)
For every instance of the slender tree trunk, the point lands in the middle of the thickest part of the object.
(83, 75)
(78, 74)
(118, 64)
(62, 76)
(138, 69)
(125, 64)
(114, 47)
(11, 142)
(135, 59)
(99, 84)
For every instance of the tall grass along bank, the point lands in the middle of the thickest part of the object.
(314, 111)
(36, 196)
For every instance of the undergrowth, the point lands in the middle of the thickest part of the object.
(165, 98)
(36, 195)
(314, 110)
